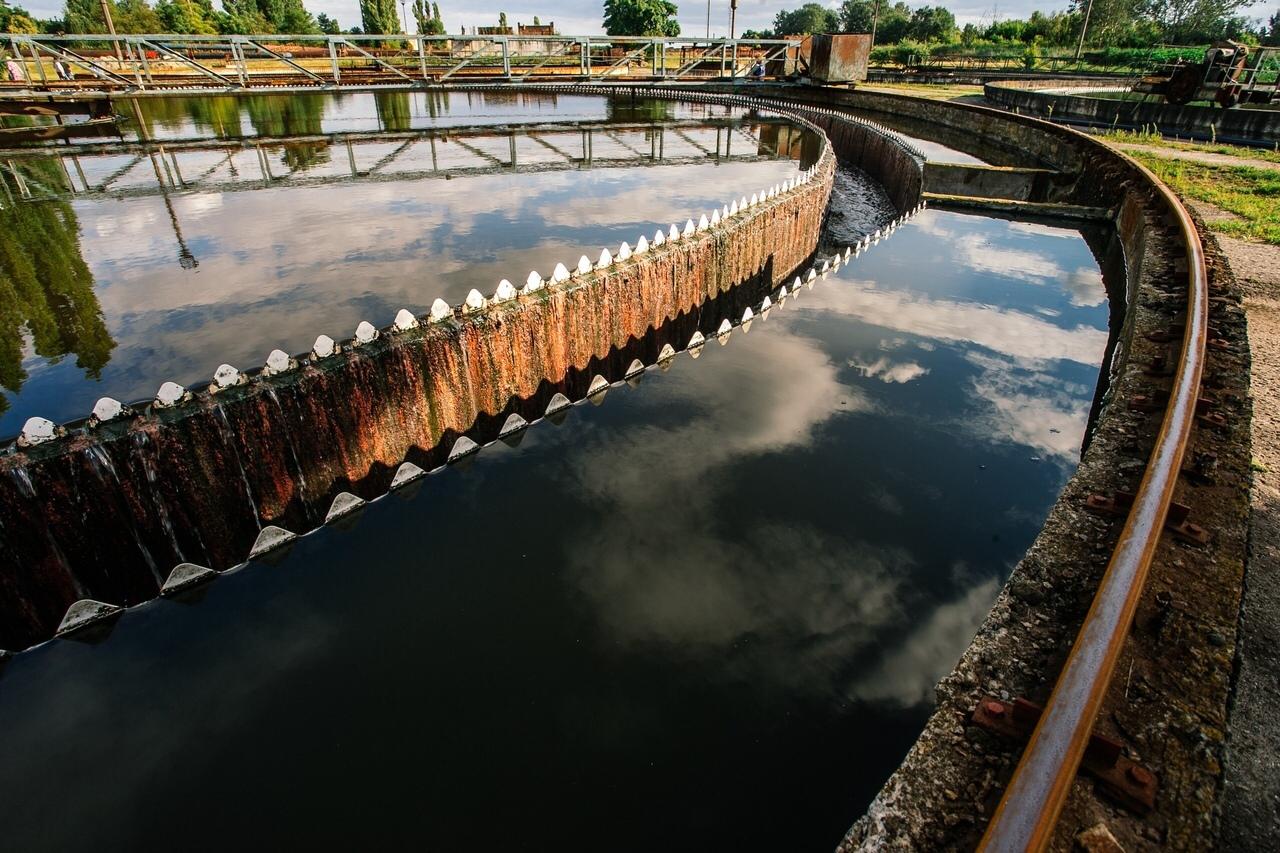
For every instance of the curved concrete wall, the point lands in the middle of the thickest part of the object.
(1053, 99)
(106, 512)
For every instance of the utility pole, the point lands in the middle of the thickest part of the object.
(708, 20)
(111, 28)
(733, 17)
(1083, 29)
(875, 19)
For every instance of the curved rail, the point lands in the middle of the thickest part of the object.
(1033, 801)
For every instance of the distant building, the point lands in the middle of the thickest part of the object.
(538, 29)
(495, 31)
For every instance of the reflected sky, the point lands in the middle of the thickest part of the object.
(188, 280)
(705, 614)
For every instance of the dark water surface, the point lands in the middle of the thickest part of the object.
(704, 615)
(284, 218)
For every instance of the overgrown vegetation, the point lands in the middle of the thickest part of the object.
(1251, 194)
(1154, 139)
(1121, 35)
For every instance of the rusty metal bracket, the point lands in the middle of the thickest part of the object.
(1175, 521)
(1122, 779)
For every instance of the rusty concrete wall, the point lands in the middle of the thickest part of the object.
(106, 514)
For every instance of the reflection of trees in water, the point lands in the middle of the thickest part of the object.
(292, 115)
(639, 109)
(45, 285)
(217, 116)
(393, 110)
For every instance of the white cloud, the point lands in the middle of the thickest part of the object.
(888, 371)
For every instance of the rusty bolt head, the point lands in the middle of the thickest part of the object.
(1140, 775)
(993, 708)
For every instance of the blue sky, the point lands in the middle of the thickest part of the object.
(582, 17)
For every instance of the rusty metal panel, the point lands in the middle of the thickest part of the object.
(839, 58)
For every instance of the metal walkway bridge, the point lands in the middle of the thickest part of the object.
(146, 64)
(155, 168)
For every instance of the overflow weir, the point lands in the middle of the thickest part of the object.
(107, 512)
(88, 518)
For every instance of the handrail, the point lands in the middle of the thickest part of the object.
(1032, 802)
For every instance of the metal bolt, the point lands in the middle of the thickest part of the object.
(1140, 776)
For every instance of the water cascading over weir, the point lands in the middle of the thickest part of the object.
(106, 509)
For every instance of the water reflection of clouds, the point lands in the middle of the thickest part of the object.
(278, 267)
(1004, 255)
(667, 568)
(1028, 339)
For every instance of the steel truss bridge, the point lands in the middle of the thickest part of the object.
(197, 165)
(140, 64)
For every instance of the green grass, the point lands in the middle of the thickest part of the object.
(1252, 194)
(1152, 138)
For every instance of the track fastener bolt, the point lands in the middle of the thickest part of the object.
(1140, 775)
(993, 708)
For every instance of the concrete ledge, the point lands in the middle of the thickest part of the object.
(1006, 182)
(1075, 212)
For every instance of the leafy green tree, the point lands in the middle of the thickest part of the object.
(856, 16)
(809, 18)
(428, 17)
(243, 17)
(1271, 36)
(932, 24)
(328, 26)
(379, 17)
(188, 16)
(640, 18)
(15, 19)
(502, 20)
(129, 16)
(894, 24)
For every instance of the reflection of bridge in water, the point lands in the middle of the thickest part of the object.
(209, 165)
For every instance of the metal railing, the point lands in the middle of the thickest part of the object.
(1028, 812)
(142, 63)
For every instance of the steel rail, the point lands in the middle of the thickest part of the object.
(1033, 801)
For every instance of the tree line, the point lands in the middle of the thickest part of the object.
(1114, 23)
(200, 17)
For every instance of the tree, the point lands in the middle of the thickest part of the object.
(894, 24)
(1271, 36)
(502, 20)
(328, 26)
(15, 19)
(856, 16)
(427, 16)
(188, 16)
(932, 23)
(640, 18)
(241, 17)
(809, 18)
(379, 17)
(536, 22)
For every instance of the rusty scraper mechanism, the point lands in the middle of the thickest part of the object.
(1120, 778)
